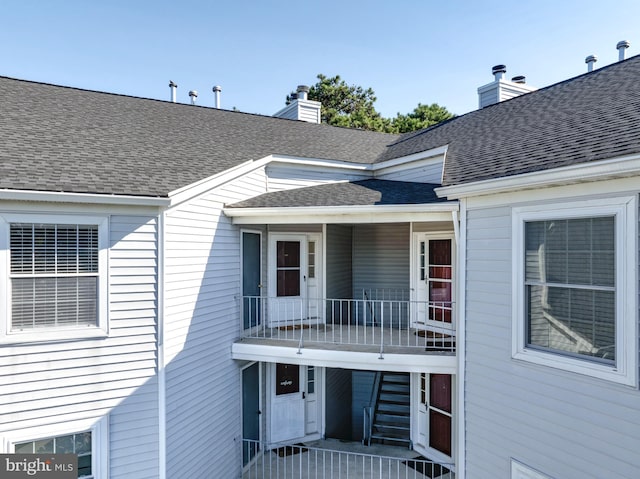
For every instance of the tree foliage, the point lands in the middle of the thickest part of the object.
(352, 106)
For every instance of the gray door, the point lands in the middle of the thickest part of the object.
(250, 411)
(251, 280)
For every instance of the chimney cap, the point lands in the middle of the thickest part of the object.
(193, 93)
(591, 58)
(623, 44)
(173, 85)
(499, 69)
(216, 88)
(302, 88)
(519, 79)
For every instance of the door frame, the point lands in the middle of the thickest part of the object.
(415, 280)
(260, 286)
(424, 449)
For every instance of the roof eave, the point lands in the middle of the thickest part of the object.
(84, 198)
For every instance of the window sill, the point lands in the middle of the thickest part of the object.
(49, 335)
(575, 365)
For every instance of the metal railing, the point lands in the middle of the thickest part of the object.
(368, 410)
(368, 322)
(305, 462)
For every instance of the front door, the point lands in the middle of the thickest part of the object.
(435, 416)
(287, 403)
(251, 279)
(288, 253)
(311, 401)
(433, 279)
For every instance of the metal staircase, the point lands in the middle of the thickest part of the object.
(392, 413)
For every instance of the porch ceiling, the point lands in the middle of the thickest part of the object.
(344, 356)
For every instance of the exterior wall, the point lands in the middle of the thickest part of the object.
(430, 172)
(338, 259)
(560, 423)
(49, 385)
(284, 176)
(338, 412)
(202, 319)
(362, 387)
(380, 257)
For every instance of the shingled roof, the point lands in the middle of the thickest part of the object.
(64, 139)
(56, 138)
(357, 193)
(592, 117)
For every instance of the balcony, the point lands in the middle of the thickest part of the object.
(366, 325)
(315, 461)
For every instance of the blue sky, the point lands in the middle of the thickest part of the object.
(408, 51)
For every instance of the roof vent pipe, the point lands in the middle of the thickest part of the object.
(499, 71)
(193, 94)
(216, 91)
(590, 61)
(519, 79)
(622, 47)
(302, 92)
(173, 87)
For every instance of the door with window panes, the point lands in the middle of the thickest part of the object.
(435, 416)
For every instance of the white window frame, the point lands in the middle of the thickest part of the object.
(522, 471)
(625, 211)
(99, 429)
(101, 329)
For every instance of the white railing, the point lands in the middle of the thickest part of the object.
(305, 462)
(368, 322)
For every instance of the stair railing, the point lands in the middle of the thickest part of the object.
(369, 410)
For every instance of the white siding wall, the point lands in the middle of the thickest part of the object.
(426, 173)
(202, 270)
(286, 176)
(565, 425)
(58, 383)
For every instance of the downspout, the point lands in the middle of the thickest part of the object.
(162, 396)
(461, 248)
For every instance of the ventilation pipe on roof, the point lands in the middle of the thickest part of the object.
(521, 79)
(193, 94)
(216, 91)
(173, 87)
(499, 71)
(590, 61)
(302, 92)
(622, 47)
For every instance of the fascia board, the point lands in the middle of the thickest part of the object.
(84, 198)
(584, 172)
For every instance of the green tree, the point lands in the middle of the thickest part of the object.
(352, 106)
(422, 116)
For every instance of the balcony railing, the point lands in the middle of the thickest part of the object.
(366, 322)
(300, 461)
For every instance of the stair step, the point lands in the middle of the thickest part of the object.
(396, 378)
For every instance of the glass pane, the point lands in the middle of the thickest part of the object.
(440, 252)
(288, 283)
(440, 272)
(64, 445)
(83, 442)
(440, 432)
(288, 254)
(311, 383)
(45, 445)
(24, 448)
(440, 391)
(440, 293)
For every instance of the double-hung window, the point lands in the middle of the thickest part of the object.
(55, 268)
(574, 287)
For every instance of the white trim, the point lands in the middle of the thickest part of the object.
(84, 198)
(261, 284)
(99, 440)
(461, 334)
(343, 214)
(521, 471)
(162, 383)
(625, 210)
(584, 172)
(101, 330)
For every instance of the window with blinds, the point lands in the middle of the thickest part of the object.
(54, 275)
(570, 281)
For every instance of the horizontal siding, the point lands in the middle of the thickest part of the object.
(429, 173)
(286, 177)
(202, 282)
(48, 384)
(338, 261)
(563, 424)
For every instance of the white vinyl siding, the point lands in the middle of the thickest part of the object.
(286, 176)
(428, 172)
(202, 320)
(555, 421)
(45, 386)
